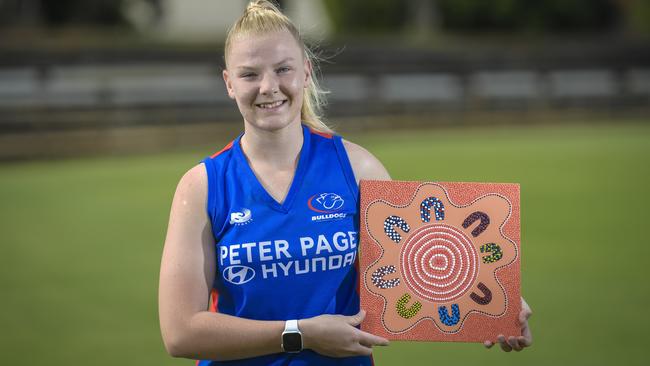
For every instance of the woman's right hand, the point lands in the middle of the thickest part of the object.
(336, 335)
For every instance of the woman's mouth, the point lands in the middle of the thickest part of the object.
(271, 105)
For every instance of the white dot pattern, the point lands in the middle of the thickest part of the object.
(438, 209)
(439, 263)
(378, 277)
(389, 227)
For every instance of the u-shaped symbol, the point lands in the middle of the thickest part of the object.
(487, 295)
(493, 248)
(378, 277)
(409, 312)
(478, 215)
(389, 227)
(446, 319)
(438, 209)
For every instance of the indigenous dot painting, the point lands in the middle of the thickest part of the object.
(440, 261)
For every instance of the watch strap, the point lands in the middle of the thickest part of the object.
(291, 326)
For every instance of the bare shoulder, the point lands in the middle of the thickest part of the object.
(364, 164)
(192, 188)
(188, 218)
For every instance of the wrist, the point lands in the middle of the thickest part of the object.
(305, 325)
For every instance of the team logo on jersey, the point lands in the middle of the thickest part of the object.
(238, 275)
(325, 202)
(241, 218)
(327, 205)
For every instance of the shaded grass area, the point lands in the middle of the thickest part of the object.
(81, 243)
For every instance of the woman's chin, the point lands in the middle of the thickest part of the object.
(273, 124)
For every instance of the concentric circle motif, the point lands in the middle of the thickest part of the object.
(439, 263)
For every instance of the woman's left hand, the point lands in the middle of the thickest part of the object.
(522, 341)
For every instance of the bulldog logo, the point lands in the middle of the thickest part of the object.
(325, 202)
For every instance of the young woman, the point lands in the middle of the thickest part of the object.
(268, 225)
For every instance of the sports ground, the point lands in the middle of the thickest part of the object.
(80, 244)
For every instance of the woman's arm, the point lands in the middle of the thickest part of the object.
(364, 164)
(186, 274)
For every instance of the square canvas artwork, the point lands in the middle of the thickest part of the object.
(440, 261)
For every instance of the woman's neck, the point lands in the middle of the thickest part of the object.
(279, 148)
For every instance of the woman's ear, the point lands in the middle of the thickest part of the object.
(308, 71)
(226, 79)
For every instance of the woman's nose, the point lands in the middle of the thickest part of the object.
(269, 84)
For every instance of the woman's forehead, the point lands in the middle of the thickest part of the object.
(263, 48)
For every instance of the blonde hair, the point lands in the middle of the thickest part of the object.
(261, 17)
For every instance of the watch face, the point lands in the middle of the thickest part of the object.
(292, 342)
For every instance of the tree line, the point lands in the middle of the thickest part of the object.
(387, 16)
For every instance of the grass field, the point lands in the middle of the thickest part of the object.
(80, 244)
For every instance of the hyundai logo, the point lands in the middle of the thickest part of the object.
(238, 275)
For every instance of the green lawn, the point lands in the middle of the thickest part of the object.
(80, 245)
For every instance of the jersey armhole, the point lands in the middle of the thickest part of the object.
(344, 159)
(211, 204)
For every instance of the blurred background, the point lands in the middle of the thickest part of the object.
(104, 104)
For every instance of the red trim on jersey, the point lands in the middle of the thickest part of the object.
(323, 134)
(214, 295)
(225, 148)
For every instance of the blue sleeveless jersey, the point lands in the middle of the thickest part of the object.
(293, 260)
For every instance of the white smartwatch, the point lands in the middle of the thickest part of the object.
(291, 337)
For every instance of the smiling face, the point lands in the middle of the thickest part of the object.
(266, 75)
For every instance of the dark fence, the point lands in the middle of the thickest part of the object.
(44, 91)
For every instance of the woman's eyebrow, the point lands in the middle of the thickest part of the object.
(247, 67)
(284, 61)
(244, 67)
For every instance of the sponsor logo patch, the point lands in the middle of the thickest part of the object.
(257, 261)
(238, 275)
(241, 218)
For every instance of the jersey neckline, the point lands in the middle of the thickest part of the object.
(296, 182)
